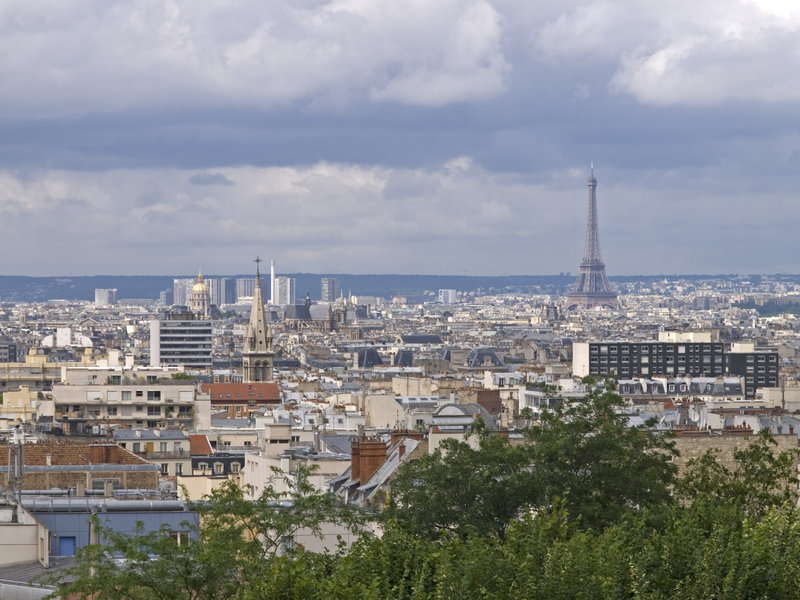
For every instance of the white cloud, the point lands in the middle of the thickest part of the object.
(332, 217)
(73, 57)
(335, 217)
(701, 53)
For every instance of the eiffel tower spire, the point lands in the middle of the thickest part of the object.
(591, 287)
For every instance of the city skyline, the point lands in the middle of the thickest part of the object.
(429, 138)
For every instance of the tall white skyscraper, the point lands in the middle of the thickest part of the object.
(105, 296)
(285, 290)
(180, 291)
(272, 282)
(448, 296)
(330, 289)
(245, 287)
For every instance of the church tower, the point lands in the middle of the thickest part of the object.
(257, 355)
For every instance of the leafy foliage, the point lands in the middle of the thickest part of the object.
(234, 546)
(583, 456)
(461, 489)
(760, 478)
(569, 513)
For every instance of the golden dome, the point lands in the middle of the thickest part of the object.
(199, 287)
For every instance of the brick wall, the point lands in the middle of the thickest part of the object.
(105, 459)
(695, 444)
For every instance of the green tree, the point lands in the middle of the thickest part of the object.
(587, 457)
(583, 456)
(760, 478)
(460, 488)
(235, 544)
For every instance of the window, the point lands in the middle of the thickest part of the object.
(99, 484)
(126, 395)
(165, 468)
(154, 411)
(114, 379)
(139, 393)
(235, 467)
(219, 468)
(112, 411)
(137, 446)
(140, 408)
(178, 468)
(153, 395)
(180, 537)
(162, 447)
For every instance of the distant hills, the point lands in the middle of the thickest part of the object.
(40, 289)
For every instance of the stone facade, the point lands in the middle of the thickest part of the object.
(66, 465)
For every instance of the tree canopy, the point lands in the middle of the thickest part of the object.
(580, 507)
(582, 456)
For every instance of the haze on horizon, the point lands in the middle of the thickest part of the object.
(358, 136)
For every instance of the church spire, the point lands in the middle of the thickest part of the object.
(257, 354)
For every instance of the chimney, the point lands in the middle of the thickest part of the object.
(355, 458)
(373, 455)
(96, 454)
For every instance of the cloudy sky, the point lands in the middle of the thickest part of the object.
(382, 136)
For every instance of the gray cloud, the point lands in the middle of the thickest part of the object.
(357, 135)
(210, 179)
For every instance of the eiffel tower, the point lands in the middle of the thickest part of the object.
(591, 287)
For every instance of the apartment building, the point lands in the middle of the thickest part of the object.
(181, 339)
(758, 367)
(139, 397)
(167, 448)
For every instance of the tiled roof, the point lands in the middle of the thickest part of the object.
(150, 434)
(74, 454)
(199, 444)
(241, 392)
